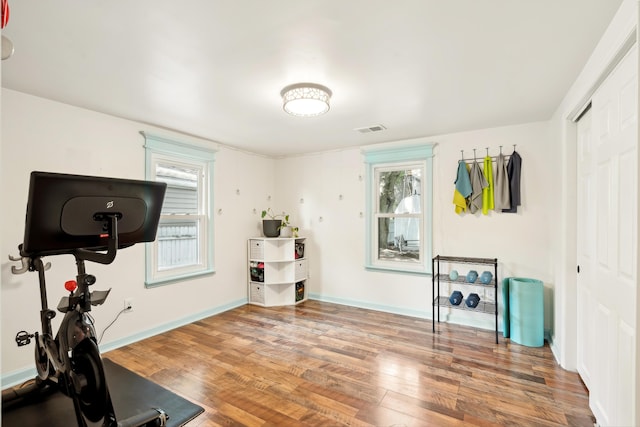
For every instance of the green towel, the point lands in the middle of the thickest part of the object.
(487, 192)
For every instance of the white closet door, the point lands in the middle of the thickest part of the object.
(608, 279)
(586, 340)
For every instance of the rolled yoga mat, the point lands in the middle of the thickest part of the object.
(523, 313)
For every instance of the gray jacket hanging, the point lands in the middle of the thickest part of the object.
(478, 182)
(501, 188)
(513, 169)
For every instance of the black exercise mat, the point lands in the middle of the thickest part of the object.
(131, 394)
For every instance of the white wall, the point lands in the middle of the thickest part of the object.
(335, 227)
(39, 134)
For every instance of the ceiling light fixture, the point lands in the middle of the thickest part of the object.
(305, 99)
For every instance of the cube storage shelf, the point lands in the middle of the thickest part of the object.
(278, 271)
(487, 305)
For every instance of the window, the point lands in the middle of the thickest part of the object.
(184, 242)
(399, 209)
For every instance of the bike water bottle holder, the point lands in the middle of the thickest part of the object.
(23, 338)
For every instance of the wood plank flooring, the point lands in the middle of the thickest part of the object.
(322, 364)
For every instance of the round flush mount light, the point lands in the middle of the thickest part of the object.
(306, 99)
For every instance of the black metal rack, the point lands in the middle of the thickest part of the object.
(488, 307)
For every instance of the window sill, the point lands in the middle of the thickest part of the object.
(396, 270)
(179, 278)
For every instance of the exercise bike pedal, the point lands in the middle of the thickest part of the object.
(23, 338)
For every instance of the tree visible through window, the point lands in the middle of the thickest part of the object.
(400, 214)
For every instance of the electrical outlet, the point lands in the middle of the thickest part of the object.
(128, 305)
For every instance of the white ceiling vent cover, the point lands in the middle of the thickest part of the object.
(368, 129)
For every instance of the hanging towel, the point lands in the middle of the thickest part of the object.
(513, 169)
(478, 183)
(501, 190)
(463, 188)
(487, 192)
(459, 202)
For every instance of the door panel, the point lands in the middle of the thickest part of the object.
(586, 249)
(626, 378)
(626, 217)
(607, 246)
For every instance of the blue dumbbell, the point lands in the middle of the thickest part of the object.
(472, 276)
(455, 298)
(472, 300)
(485, 277)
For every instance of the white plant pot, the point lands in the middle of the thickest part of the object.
(286, 232)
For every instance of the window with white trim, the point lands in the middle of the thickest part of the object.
(184, 242)
(399, 207)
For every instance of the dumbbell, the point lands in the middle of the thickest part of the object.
(455, 298)
(472, 300)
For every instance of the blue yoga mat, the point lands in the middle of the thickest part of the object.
(523, 311)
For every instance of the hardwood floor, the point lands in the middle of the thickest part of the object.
(322, 364)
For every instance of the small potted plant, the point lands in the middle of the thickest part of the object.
(272, 223)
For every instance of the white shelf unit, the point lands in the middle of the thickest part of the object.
(277, 271)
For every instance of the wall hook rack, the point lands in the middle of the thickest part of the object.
(475, 155)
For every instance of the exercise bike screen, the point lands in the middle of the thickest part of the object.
(67, 212)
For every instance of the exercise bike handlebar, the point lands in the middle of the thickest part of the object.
(112, 246)
(85, 254)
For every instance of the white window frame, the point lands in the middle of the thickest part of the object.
(405, 157)
(159, 150)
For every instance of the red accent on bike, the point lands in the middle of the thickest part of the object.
(5, 13)
(70, 285)
(102, 236)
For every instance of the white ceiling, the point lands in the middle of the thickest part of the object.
(215, 68)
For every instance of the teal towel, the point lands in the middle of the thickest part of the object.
(523, 315)
(463, 182)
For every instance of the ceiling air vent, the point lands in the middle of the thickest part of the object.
(368, 129)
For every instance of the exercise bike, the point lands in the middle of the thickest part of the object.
(87, 213)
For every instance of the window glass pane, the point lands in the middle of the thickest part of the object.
(398, 190)
(181, 196)
(399, 239)
(177, 244)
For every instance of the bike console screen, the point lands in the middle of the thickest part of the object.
(68, 212)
